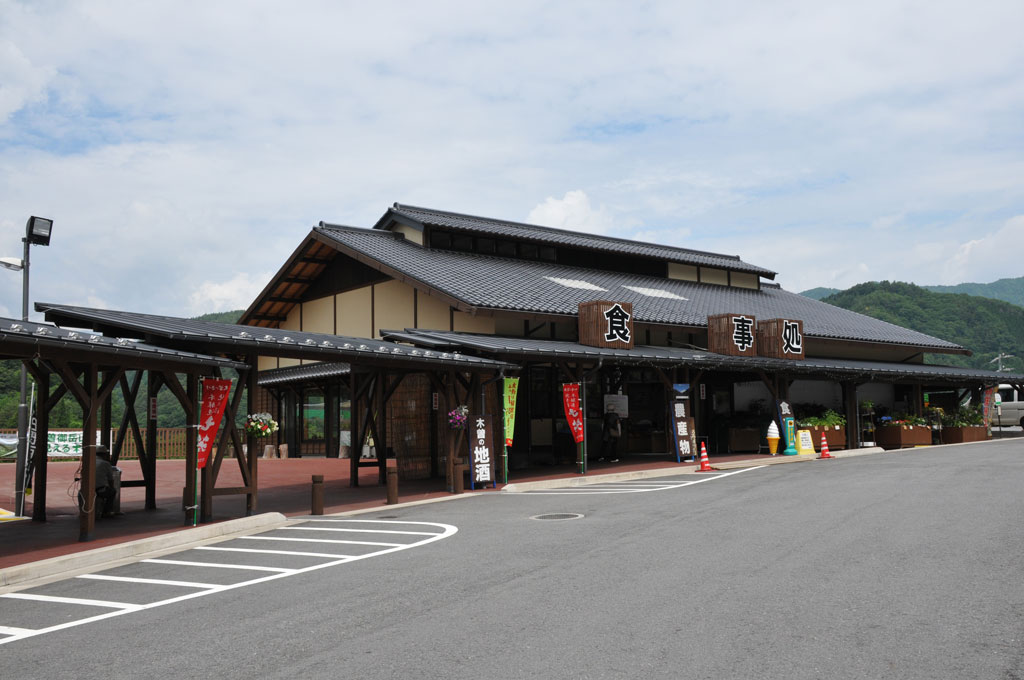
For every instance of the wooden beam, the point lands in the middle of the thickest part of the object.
(87, 477)
(42, 432)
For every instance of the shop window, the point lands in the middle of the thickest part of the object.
(313, 416)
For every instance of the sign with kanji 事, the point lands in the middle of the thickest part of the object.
(732, 334)
(480, 459)
(605, 323)
(683, 428)
(573, 413)
(215, 397)
(510, 393)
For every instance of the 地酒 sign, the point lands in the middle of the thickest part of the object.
(480, 458)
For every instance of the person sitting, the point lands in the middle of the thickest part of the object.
(105, 490)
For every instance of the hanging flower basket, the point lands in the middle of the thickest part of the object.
(457, 417)
(260, 425)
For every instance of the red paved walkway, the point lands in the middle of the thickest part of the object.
(284, 486)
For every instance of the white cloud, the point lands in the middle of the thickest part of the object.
(174, 143)
(572, 211)
(221, 296)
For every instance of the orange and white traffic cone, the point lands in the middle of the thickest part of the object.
(705, 466)
(824, 448)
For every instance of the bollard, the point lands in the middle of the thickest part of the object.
(460, 486)
(318, 495)
(392, 480)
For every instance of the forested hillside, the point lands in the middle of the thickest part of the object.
(982, 325)
(69, 414)
(1008, 290)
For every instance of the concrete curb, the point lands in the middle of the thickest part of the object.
(519, 487)
(88, 560)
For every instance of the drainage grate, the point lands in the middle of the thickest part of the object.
(559, 515)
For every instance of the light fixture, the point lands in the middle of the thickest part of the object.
(12, 263)
(37, 230)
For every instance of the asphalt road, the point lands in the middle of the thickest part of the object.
(903, 565)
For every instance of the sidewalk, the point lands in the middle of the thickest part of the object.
(284, 487)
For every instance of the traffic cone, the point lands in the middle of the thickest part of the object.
(705, 466)
(824, 448)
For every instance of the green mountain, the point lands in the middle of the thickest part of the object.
(1008, 290)
(982, 325)
(222, 317)
(819, 293)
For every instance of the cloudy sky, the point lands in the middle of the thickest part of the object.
(183, 149)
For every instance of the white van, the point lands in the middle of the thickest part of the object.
(1009, 411)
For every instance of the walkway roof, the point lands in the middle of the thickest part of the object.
(221, 338)
(528, 349)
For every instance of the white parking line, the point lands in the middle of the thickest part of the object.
(153, 581)
(74, 600)
(120, 608)
(599, 488)
(184, 563)
(318, 540)
(257, 551)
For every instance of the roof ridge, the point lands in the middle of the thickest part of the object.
(398, 206)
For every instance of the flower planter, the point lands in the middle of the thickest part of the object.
(835, 435)
(903, 436)
(959, 435)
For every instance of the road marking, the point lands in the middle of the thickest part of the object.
(10, 630)
(154, 581)
(257, 551)
(598, 489)
(446, 530)
(317, 540)
(73, 600)
(184, 563)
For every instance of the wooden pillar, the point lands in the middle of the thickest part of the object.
(355, 418)
(42, 377)
(148, 463)
(191, 390)
(330, 422)
(107, 420)
(381, 420)
(87, 490)
(252, 455)
(918, 406)
(852, 421)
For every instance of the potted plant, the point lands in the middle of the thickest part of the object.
(831, 424)
(903, 432)
(965, 424)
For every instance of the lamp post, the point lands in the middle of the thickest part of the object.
(37, 232)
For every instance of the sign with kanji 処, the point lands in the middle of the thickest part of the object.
(573, 413)
(603, 323)
(732, 334)
(215, 397)
(510, 392)
(781, 338)
(480, 459)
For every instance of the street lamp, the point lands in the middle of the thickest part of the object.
(37, 232)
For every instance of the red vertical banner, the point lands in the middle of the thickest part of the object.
(215, 398)
(573, 414)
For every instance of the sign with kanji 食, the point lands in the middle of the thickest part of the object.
(605, 323)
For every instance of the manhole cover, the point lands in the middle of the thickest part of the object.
(559, 515)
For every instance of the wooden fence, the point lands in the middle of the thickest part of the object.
(170, 441)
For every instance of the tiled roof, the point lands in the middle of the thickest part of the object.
(17, 337)
(490, 282)
(321, 370)
(212, 336)
(516, 349)
(562, 237)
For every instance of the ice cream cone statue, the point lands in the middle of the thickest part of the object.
(773, 438)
